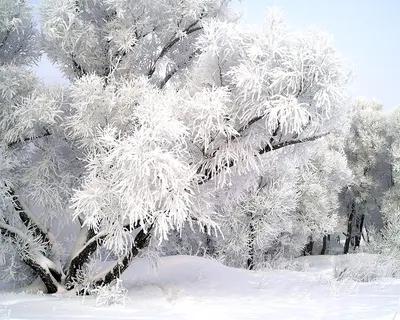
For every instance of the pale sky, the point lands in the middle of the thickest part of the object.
(367, 32)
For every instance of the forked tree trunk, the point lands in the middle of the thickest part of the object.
(48, 270)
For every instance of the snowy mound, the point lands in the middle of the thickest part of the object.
(187, 287)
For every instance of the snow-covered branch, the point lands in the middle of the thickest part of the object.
(174, 40)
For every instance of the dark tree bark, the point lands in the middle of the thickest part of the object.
(77, 263)
(252, 236)
(141, 241)
(360, 226)
(26, 219)
(210, 247)
(325, 240)
(349, 228)
(308, 248)
(47, 275)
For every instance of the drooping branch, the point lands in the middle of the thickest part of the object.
(8, 31)
(7, 35)
(248, 125)
(121, 53)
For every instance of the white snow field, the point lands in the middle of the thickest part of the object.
(196, 288)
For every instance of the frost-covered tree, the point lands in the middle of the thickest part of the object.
(367, 154)
(175, 111)
(391, 206)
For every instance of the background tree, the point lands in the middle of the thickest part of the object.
(293, 202)
(389, 243)
(367, 154)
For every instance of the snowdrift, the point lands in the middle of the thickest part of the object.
(187, 287)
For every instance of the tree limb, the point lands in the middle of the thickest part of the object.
(7, 35)
(93, 241)
(170, 74)
(174, 40)
(29, 221)
(48, 275)
(141, 241)
(77, 68)
(269, 147)
(45, 134)
(209, 173)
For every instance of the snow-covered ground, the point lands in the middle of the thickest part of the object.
(196, 288)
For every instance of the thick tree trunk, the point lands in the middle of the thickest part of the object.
(48, 271)
(141, 241)
(93, 241)
(45, 275)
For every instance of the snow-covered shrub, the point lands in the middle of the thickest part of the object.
(4, 312)
(282, 262)
(364, 267)
(82, 283)
(111, 294)
(188, 241)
